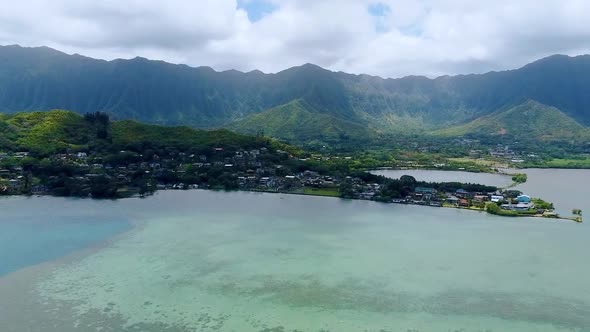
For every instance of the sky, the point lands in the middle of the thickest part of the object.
(388, 38)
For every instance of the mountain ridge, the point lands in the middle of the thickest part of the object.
(158, 92)
(530, 119)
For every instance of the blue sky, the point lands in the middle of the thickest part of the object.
(378, 9)
(256, 9)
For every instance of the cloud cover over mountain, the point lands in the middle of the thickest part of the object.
(390, 38)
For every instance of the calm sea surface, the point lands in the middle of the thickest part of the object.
(215, 261)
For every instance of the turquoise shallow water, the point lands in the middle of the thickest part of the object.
(214, 261)
(29, 236)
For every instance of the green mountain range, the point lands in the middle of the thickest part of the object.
(45, 133)
(299, 121)
(528, 120)
(300, 104)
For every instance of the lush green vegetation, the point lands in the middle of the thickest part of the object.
(519, 178)
(298, 121)
(578, 214)
(493, 208)
(541, 204)
(48, 137)
(45, 133)
(580, 161)
(329, 192)
(530, 120)
(308, 103)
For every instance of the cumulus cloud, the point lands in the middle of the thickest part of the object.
(390, 38)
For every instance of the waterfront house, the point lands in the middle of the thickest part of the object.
(453, 200)
(480, 198)
(523, 199)
(425, 190)
(463, 202)
(366, 195)
(496, 198)
(524, 206)
(462, 193)
(14, 184)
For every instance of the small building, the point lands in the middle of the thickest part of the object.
(524, 206)
(480, 198)
(453, 199)
(523, 199)
(14, 184)
(425, 190)
(366, 195)
(463, 202)
(461, 193)
(496, 198)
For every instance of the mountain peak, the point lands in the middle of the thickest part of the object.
(158, 92)
(557, 59)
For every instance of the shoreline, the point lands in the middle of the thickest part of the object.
(134, 224)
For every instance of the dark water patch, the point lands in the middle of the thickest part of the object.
(26, 241)
(357, 295)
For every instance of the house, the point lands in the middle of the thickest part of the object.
(496, 198)
(524, 206)
(480, 198)
(425, 190)
(366, 195)
(39, 190)
(21, 154)
(14, 184)
(463, 202)
(461, 193)
(523, 199)
(453, 199)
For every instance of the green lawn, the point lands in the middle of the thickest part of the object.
(330, 192)
(568, 163)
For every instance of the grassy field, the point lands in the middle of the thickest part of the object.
(468, 160)
(330, 192)
(568, 163)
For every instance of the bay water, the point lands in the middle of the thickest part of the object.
(238, 261)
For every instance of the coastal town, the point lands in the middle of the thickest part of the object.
(263, 170)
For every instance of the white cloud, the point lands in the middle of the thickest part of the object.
(428, 37)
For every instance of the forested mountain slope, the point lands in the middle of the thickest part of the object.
(294, 103)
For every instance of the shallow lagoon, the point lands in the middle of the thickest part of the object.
(214, 261)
